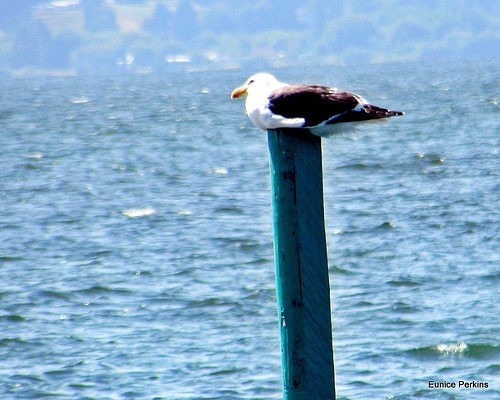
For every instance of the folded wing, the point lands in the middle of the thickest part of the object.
(322, 105)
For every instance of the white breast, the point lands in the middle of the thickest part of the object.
(257, 109)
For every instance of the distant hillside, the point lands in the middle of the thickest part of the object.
(89, 36)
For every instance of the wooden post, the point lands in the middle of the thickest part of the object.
(303, 288)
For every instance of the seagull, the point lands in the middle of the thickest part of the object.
(322, 110)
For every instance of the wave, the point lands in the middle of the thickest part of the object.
(460, 349)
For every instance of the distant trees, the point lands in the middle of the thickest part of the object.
(267, 32)
(219, 21)
(31, 46)
(180, 25)
(274, 15)
(357, 33)
(98, 16)
(160, 24)
(185, 23)
(15, 13)
(35, 47)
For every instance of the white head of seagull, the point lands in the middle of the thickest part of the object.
(322, 110)
(258, 83)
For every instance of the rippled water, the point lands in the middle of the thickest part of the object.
(136, 256)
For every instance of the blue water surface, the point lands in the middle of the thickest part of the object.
(136, 256)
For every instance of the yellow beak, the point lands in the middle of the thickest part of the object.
(238, 92)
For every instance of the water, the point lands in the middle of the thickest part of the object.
(136, 257)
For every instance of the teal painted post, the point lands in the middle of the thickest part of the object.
(303, 288)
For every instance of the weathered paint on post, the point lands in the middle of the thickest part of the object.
(303, 287)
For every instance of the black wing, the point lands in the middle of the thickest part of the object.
(364, 114)
(321, 104)
(316, 104)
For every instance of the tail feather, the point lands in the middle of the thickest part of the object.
(366, 113)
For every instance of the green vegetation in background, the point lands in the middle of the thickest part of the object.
(89, 36)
